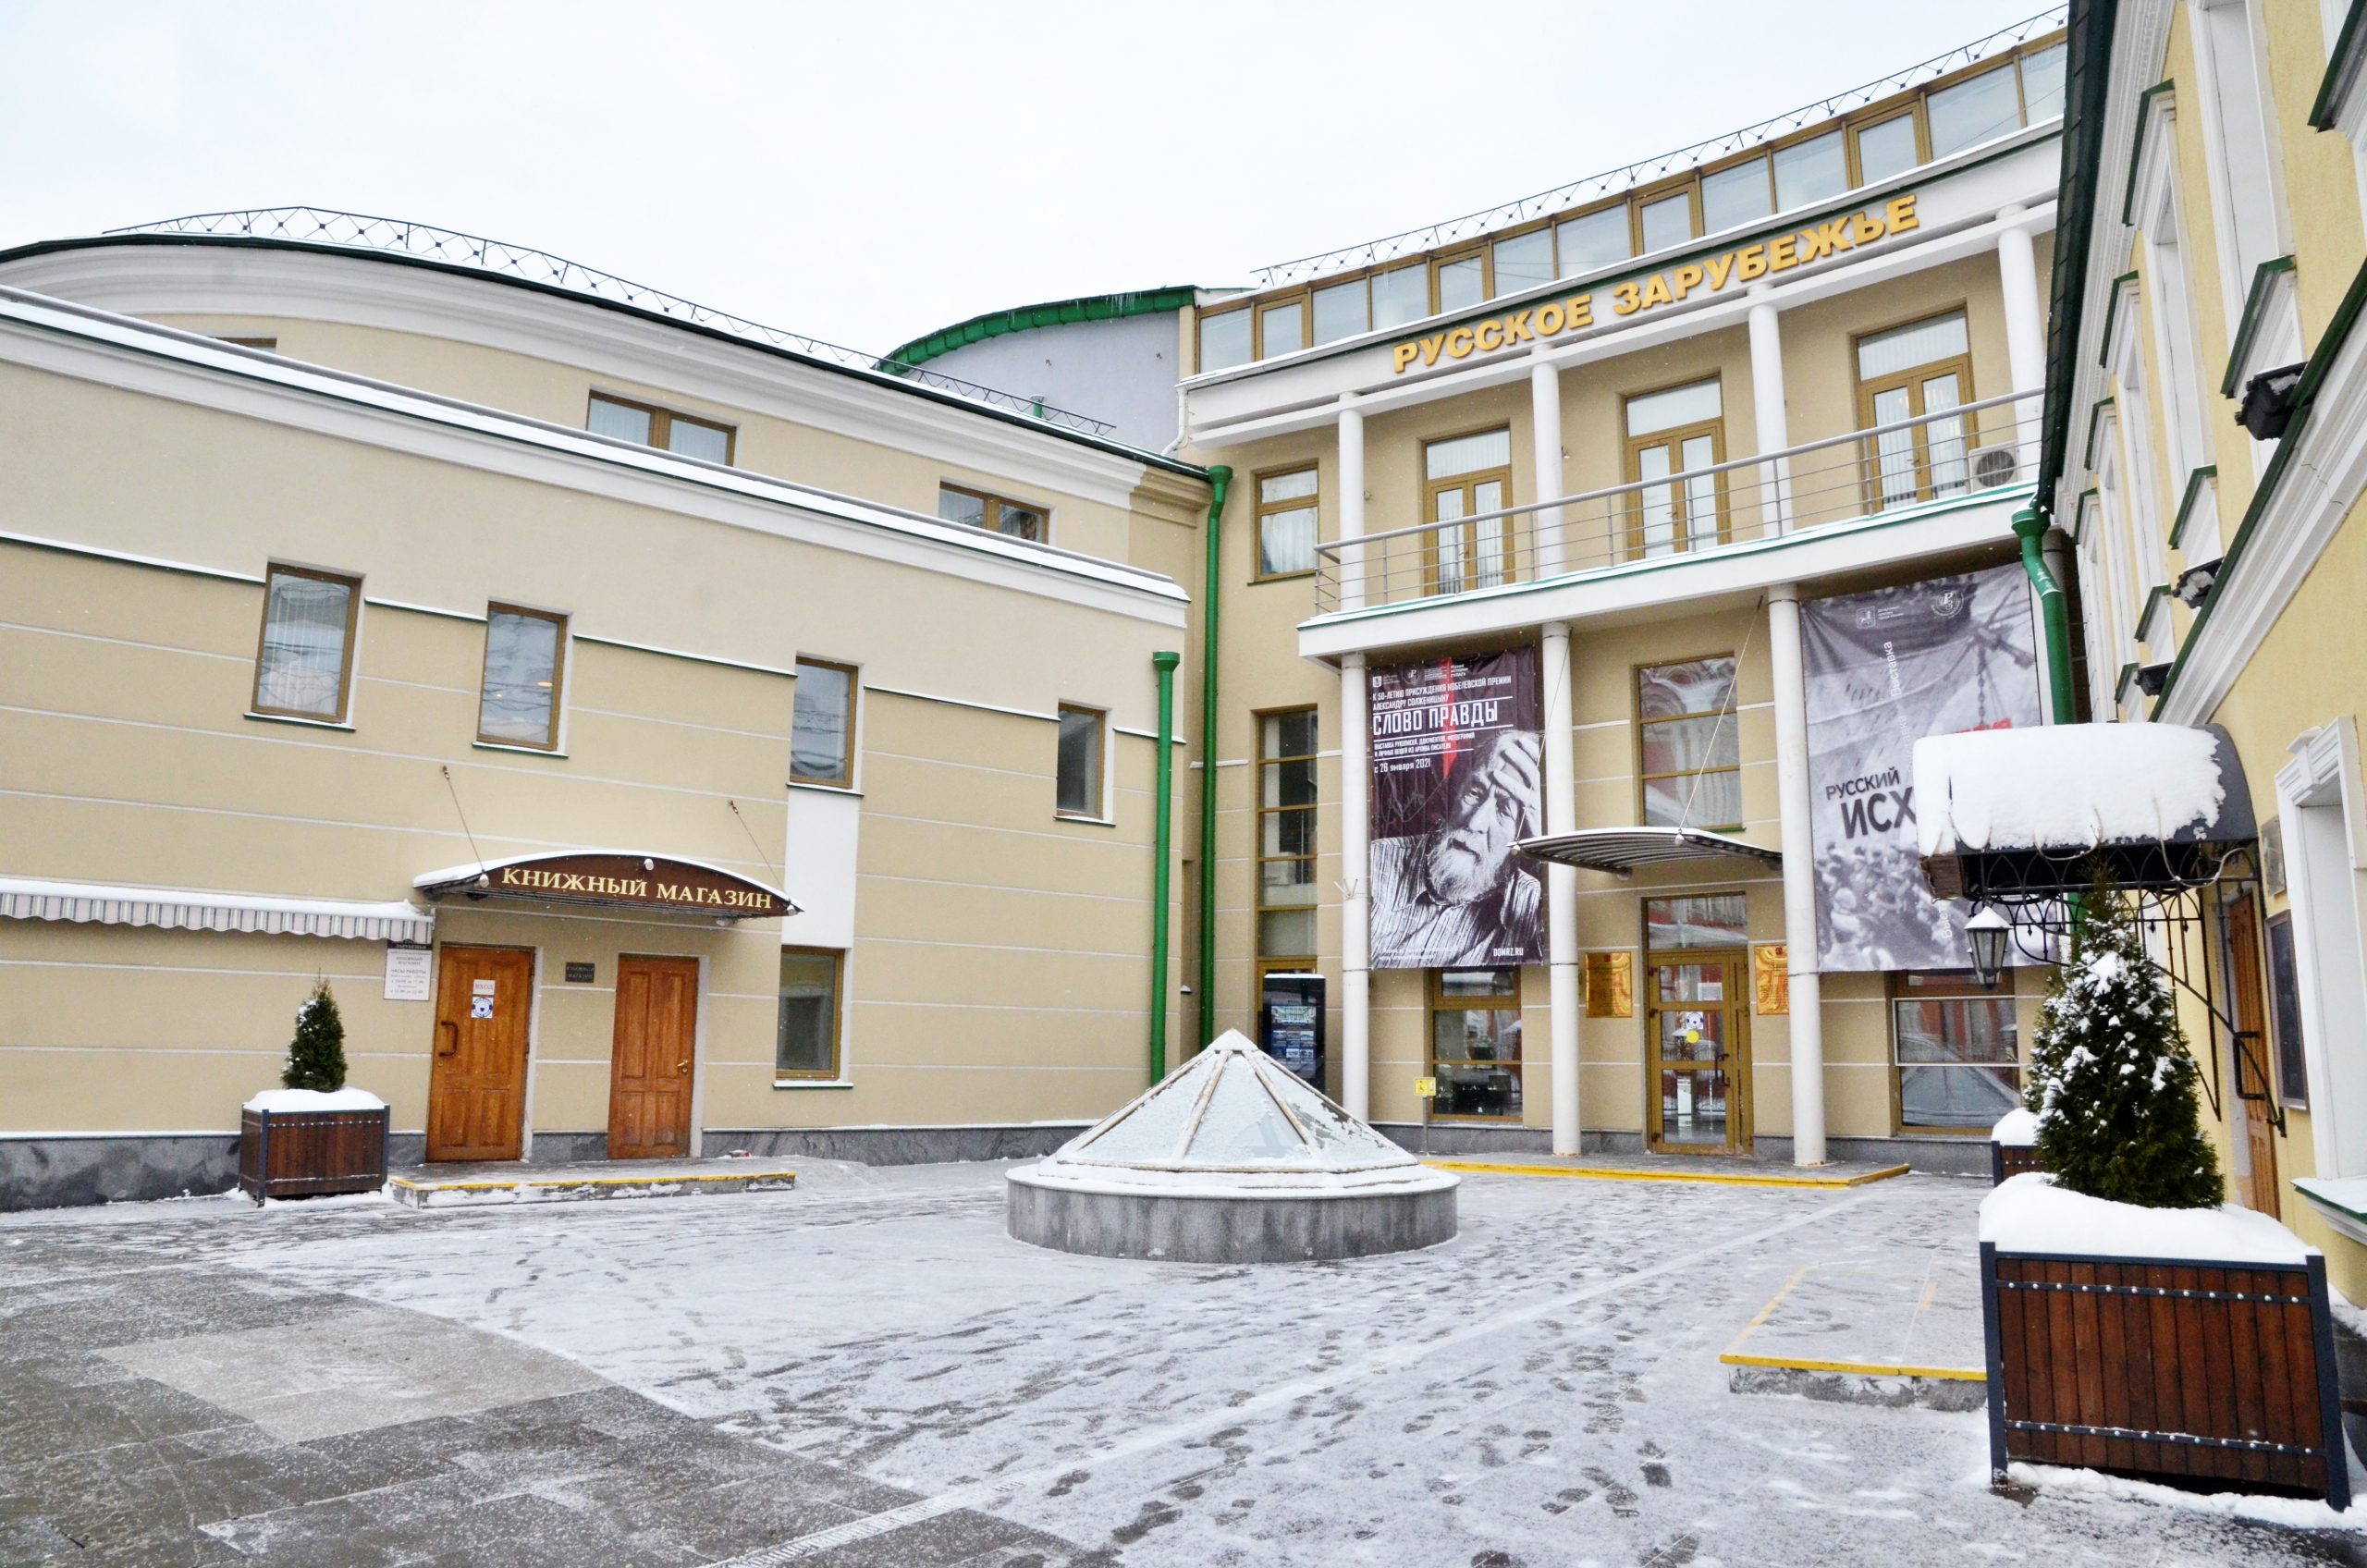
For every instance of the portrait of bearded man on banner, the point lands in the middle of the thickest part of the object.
(1456, 896)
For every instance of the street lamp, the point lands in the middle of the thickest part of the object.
(1987, 933)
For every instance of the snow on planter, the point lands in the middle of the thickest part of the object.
(2018, 1129)
(2031, 1214)
(2066, 785)
(1233, 1159)
(281, 1102)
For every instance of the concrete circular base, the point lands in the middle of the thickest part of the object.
(1185, 1227)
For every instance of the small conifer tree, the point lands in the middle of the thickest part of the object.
(316, 1056)
(2110, 1078)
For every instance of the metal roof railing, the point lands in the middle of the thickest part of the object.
(1578, 192)
(360, 232)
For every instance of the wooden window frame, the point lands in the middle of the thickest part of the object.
(1636, 700)
(1766, 156)
(352, 583)
(1483, 251)
(1099, 812)
(1910, 380)
(1265, 509)
(1633, 448)
(854, 707)
(1858, 124)
(995, 504)
(837, 1020)
(1260, 811)
(1690, 187)
(1434, 1001)
(1895, 990)
(661, 424)
(1304, 300)
(559, 674)
(1433, 488)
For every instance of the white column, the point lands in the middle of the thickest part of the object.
(1799, 874)
(1352, 587)
(1356, 906)
(1549, 557)
(1770, 421)
(2025, 328)
(1562, 888)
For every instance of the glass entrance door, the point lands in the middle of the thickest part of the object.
(1699, 1071)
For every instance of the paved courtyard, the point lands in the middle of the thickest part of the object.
(867, 1371)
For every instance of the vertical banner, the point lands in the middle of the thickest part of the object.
(1458, 778)
(1885, 669)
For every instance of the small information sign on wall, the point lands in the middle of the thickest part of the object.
(407, 978)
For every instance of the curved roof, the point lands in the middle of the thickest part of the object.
(1027, 318)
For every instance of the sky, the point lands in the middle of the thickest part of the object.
(869, 170)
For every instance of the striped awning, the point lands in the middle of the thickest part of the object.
(1622, 850)
(95, 903)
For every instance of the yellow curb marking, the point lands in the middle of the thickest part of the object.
(409, 1185)
(1867, 1369)
(1597, 1173)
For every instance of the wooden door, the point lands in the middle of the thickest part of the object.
(476, 1081)
(1697, 1033)
(2255, 1079)
(649, 1076)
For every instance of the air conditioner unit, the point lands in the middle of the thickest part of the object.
(1993, 466)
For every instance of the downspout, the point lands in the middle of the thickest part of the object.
(2030, 527)
(1220, 479)
(1162, 841)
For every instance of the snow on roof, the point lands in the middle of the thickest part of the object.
(2074, 786)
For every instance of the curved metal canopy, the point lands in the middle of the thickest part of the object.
(1622, 850)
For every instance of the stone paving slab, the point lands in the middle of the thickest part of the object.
(470, 1185)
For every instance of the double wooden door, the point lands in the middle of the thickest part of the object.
(650, 1071)
(476, 1081)
(1697, 1022)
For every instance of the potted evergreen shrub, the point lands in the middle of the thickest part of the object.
(2134, 1322)
(312, 1135)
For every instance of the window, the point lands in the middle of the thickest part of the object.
(1886, 148)
(1282, 329)
(808, 1031)
(2042, 84)
(1340, 311)
(652, 426)
(1224, 339)
(1077, 790)
(1666, 222)
(1286, 824)
(1708, 920)
(1814, 170)
(1733, 196)
(1671, 431)
(1286, 523)
(1953, 1046)
(1401, 295)
(1977, 109)
(1468, 477)
(993, 513)
(525, 656)
(2242, 157)
(1461, 284)
(1593, 239)
(1690, 757)
(1922, 368)
(2284, 1013)
(305, 659)
(1523, 260)
(1475, 1042)
(821, 724)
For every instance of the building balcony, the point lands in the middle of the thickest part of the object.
(1939, 482)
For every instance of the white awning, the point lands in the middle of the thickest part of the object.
(99, 903)
(1622, 850)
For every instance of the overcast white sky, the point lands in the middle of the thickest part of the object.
(868, 170)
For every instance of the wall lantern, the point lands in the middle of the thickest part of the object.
(1987, 933)
(2267, 406)
(2195, 583)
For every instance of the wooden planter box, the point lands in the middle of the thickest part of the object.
(292, 1154)
(2008, 1161)
(2215, 1374)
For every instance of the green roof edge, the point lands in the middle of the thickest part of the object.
(1027, 318)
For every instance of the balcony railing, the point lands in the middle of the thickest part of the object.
(1935, 456)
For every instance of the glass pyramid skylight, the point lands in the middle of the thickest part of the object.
(1233, 1108)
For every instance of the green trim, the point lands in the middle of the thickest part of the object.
(2194, 481)
(2330, 344)
(2128, 679)
(2247, 328)
(2086, 94)
(1205, 996)
(2029, 527)
(2153, 597)
(2079, 515)
(2345, 62)
(1027, 318)
(2095, 422)
(1163, 844)
(2122, 288)
(2146, 102)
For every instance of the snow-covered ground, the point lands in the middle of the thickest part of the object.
(1543, 1390)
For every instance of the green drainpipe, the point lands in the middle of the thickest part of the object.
(1220, 479)
(2030, 527)
(1162, 839)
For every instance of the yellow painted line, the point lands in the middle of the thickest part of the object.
(1768, 1310)
(410, 1185)
(1602, 1174)
(1866, 1368)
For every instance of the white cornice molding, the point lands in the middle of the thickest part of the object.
(151, 280)
(139, 357)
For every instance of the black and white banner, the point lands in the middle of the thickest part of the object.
(1883, 670)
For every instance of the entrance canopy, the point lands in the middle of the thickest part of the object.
(612, 879)
(2007, 815)
(1622, 850)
